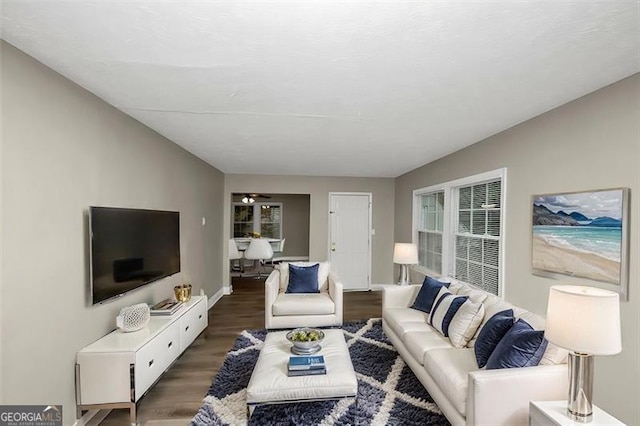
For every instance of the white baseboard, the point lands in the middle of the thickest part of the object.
(227, 290)
(214, 299)
(96, 416)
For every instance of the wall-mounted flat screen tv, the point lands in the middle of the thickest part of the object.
(131, 248)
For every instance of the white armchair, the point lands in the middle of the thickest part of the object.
(291, 310)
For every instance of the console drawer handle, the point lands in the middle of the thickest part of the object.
(170, 344)
(150, 363)
(186, 328)
(200, 316)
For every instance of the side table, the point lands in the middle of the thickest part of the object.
(554, 413)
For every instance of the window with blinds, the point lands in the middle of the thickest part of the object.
(242, 220)
(430, 231)
(263, 218)
(270, 221)
(477, 236)
(458, 229)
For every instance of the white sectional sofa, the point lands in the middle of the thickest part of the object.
(466, 394)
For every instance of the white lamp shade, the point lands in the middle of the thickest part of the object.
(584, 320)
(259, 249)
(233, 250)
(405, 254)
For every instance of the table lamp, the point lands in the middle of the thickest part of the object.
(585, 321)
(405, 254)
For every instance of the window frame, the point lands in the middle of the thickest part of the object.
(257, 218)
(450, 221)
(419, 211)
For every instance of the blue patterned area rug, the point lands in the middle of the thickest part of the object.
(388, 391)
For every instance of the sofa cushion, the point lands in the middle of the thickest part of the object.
(553, 355)
(303, 304)
(477, 296)
(491, 334)
(522, 346)
(465, 322)
(401, 320)
(419, 342)
(427, 294)
(444, 308)
(492, 305)
(454, 285)
(323, 274)
(303, 279)
(450, 369)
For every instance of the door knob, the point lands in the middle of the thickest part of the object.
(333, 246)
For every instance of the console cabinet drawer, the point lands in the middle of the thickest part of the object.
(192, 324)
(154, 358)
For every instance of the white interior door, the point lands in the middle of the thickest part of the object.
(350, 238)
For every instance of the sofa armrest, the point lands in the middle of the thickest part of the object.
(399, 296)
(335, 292)
(501, 397)
(271, 289)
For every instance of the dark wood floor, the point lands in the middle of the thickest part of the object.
(179, 393)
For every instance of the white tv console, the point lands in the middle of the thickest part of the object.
(118, 369)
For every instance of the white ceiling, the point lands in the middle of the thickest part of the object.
(330, 88)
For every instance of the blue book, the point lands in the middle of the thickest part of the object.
(306, 362)
(311, 372)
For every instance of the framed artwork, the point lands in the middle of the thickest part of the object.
(582, 235)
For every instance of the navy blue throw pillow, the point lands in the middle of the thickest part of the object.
(303, 279)
(427, 294)
(491, 333)
(522, 346)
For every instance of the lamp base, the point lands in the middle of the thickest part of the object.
(403, 279)
(580, 407)
(578, 418)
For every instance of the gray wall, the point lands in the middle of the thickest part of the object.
(591, 143)
(295, 221)
(319, 188)
(63, 151)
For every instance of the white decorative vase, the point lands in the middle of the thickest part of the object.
(133, 318)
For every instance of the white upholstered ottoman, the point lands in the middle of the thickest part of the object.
(269, 383)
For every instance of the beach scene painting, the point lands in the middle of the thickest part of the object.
(582, 234)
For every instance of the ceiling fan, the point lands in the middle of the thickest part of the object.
(249, 198)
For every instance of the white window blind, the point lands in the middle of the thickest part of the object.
(430, 231)
(477, 236)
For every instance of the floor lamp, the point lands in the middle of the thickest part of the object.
(259, 250)
(405, 254)
(585, 321)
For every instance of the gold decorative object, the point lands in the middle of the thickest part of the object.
(183, 292)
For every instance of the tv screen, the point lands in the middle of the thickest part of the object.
(131, 248)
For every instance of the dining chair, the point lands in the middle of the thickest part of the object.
(234, 254)
(260, 250)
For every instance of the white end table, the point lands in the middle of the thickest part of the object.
(554, 413)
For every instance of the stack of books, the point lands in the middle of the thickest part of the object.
(306, 365)
(166, 307)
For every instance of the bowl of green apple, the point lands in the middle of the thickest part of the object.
(305, 340)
